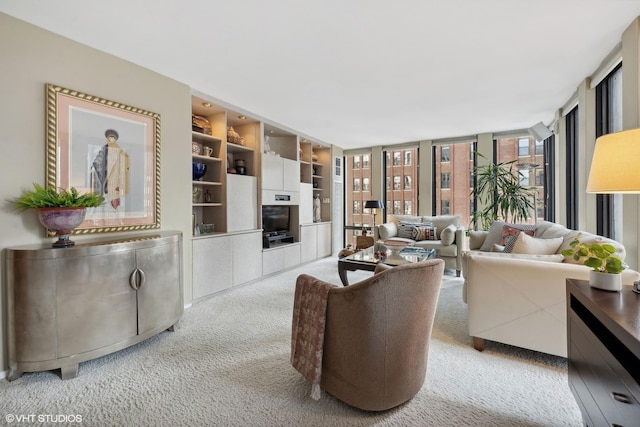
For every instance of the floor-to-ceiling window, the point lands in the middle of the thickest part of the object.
(572, 169)
(529, 163)
(608, 120)
(453, 179)
(401, 180)
(357, 190)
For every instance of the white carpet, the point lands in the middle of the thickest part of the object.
(229, 366)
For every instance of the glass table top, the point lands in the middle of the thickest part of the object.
(405, 256)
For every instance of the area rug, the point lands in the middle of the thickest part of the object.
(228, 365)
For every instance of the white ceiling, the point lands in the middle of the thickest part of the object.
(358, 73)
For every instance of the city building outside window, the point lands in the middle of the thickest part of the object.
(445, 180)
(452, 174)
(445, 154)
(397, 207)
(407, 182)
(539, 148)
(355, 196)
(407, 158)
(396, 182)
(445, 207)
(365, 184)
(396, 158)
(407, 207)
(523, 147)
(365, 160)
(529, 164)
(356, 184)
(388, 183)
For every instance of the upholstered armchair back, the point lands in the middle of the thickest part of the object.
(377, 335)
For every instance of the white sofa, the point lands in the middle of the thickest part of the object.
(449, 240)
(520, 299)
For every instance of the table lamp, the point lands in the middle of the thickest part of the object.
(614, 166)
(373, 205)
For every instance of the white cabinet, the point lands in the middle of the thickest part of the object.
(316, 241)
(324, 239)
(211, 265)
(271, 172)
(247, 253)
(280, 258)
(242, 199)
(280, 180)
(309, 240)
(290, 175)
(223, 261)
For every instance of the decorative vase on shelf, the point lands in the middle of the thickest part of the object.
(605, 281)
(198, 170)
(63, 221)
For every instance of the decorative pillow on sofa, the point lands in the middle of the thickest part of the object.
(509, 231)
(423, 232)
(495, 234)
(525, 244)
(405, 231)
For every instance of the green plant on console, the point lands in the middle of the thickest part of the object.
(599, 257)
(52, 197)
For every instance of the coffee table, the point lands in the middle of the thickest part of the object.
(366, 260)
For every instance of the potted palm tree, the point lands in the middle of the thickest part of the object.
(59, 209)
(498, 190)
(606, 267)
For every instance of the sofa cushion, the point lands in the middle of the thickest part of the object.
(532, 257)
(411, 219)
(525, 244)
(448, 235)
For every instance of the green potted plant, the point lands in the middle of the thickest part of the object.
(59, 209)
(497, 188)
(606, 266)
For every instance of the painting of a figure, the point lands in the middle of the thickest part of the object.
(109, 149)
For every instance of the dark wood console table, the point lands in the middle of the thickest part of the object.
(604, 353)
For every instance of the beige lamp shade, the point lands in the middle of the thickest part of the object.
(615, 167)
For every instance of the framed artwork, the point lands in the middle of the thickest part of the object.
(105, 147)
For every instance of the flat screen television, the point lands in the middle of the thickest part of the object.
(275, 219)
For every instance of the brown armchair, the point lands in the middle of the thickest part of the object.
(377, 332)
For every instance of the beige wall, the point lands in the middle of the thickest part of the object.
(32, 57)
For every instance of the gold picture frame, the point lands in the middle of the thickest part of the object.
(98, 145)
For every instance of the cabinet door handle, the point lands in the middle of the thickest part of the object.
(619, 397)
(142, 277)
(133, 279)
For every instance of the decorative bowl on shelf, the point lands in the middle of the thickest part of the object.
(199, 169)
